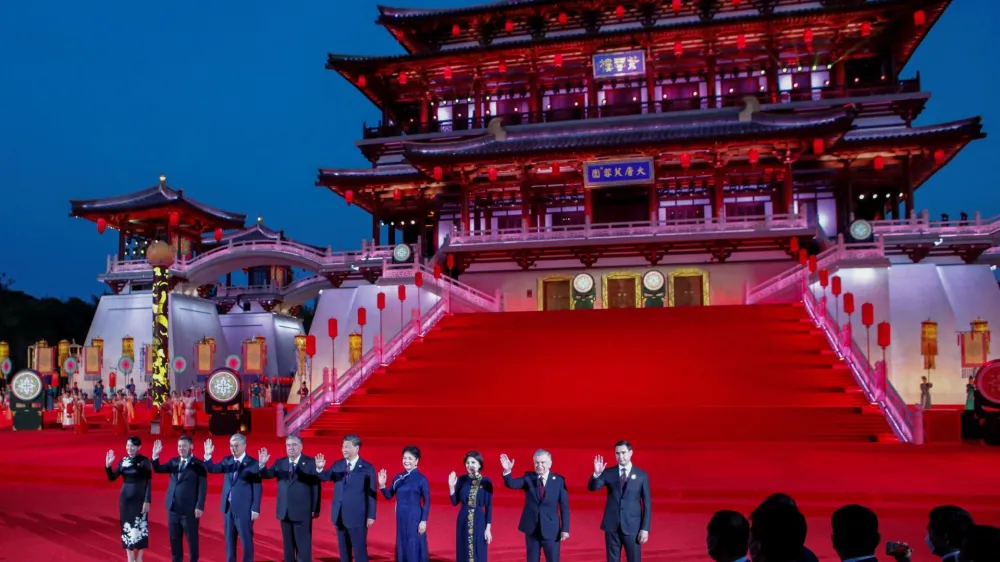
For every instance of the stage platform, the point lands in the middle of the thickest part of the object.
(56, 503)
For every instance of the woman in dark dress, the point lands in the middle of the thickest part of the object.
(474, 494)
(413, 505)
(133, 503)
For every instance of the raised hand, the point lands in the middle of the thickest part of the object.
(157, 448)
(452, 480)
(109, 459)
(263, 456)
(320, 462)
(209, 448)
(599, 465)
(382, 478)
(507, 462)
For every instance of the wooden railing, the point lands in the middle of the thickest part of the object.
(921, 224)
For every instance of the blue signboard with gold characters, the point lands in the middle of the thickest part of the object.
(618, 172)
(614, 65)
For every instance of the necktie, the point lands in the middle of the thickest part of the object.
(541, 488)
(291, 468)
(624, 478)
(183, 465)
(350, 469)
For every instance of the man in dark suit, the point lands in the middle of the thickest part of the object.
(298, 497)
(354, 488)
(241, 491)
(629, 507)
(185, 496)
(545, 517)
(855, 533)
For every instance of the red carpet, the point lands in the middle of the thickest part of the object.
(724, 405)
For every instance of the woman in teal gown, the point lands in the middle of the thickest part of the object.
(970, 394)
(473, 493)
(413, 505)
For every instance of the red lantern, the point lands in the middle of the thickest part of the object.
(879, 163)
(492, 174)
(418, 279)
(753, 156)
(678, 48)
(824, 278)
(310, 345)
(401, 292)
(362, 81)
(939, 157)
(867, 314)
(741, 41)
(438, 173)
(397, 194)
(620, 11)
(102, 225)
(793, 245)
(380, 301)
(447, 73)
(818, 146)
(456, 30)
(503, 67)
(836, 286)
(437, 271)
(866, 28)
(808, 36)
(884, 334)
(349, 196)
(685, 160)
(509, 26)
(402, 79)
(736, 3)
(803, 256)
(331, 327)
(174, 217)
(919, 18)
(849, 303)
(558, 59)
(563, 18)
(676, 5)
(362, 316)
(218, 235)
(451, 261)
(812, 263)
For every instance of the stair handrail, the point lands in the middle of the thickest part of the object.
(381, 354)
(492, 303)
(874, 382)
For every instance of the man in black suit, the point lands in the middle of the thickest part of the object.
(545, 517)
(629, 507)
(855, 533)
(185, 496)
(241, 491)
(298, 497)
(354, 489)
(728, 536)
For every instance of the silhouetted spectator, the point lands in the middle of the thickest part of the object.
(728, 536)
(855, 533)
(947, 527)
(777, 533)
(981, 544)
(784, 499)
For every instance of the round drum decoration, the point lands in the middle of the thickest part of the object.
(583, 283)
(5, 366)
(652, 281)
(233, 362)
(861, 230)
(70, 365)
(180, 364)
(988, 382)
(223, 385)
(125, 364)
(401, 252)
(26, 385)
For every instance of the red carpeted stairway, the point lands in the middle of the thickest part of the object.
(719, 373)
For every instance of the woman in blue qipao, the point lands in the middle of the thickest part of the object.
(473, 493)
(413, 505)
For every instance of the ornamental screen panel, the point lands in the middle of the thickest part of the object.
(636, 171)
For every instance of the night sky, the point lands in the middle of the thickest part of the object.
(231, 101)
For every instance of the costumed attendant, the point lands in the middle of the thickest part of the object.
(133, 502)
(189, 419)
(67, 410)
(473, 493)
(176, 410)
(413, 506)
(80, 414)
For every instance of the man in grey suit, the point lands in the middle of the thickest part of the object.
(629, 506)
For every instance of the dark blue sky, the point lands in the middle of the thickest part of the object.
(231, 101)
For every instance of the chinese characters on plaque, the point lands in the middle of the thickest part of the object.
(618, 172)
(614, 65)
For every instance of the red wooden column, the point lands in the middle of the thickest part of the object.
(477, 109)
(592, 109)
(534, 96)
(525, 201)
(718, 192)
(907, 165)
(465, 208)
(588, 205)
(654, 203)
(788, 189)
(650, 82)
(711, 75)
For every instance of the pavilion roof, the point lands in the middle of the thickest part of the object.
(634, 132)
(388, 13)
(381, 175)
(258, 232)
(964, 128)
(152, 203)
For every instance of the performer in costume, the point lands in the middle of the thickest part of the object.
(80, 414)
(473, 493)
(925, 393)
(67, 410)
(189, 419)
(413, 506)
(133, 502)
(176, 410)
(970, 394)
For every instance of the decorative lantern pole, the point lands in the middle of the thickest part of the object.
(311, 352)
(380, 304)
(362, 320)
(867, 319)
(884, 340)
(824, 282)
(402, 300)
(161, 256)
(929, 345)
(835, 290)
(331, 330)
(418, 280)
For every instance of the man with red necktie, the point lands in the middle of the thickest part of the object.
(629, 506)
